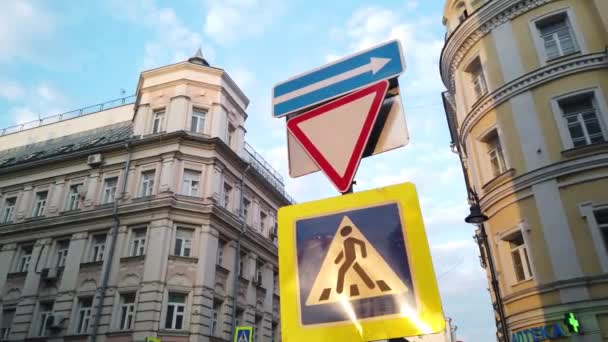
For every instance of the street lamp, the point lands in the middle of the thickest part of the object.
(477, 217)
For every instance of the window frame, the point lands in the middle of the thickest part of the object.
(93, 255)
(508, 265)
(18, 267)
(133, 250)
(130, 311)
(198, 113)
(477, 77)
(230, 134)
(184, 314)
(83, 314)
(40, 204)
(158, 115)
(61, 254)
(146, 185)
(539, 42)
(105, 195)
(601, 107)
(227, 191)
(184, 243)
(40, 328)
(486, 171)
(219, 257)
(5, 332)
(587, 211)
(189, 176)
(522, 252)
(8, 217)
(73, 200)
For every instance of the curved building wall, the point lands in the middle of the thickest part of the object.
(527, 107)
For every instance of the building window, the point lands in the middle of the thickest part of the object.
(221, 244)
(275, 281)
(241, 270)
(73, 201)
(45, 310)
(580, 113)
(263, 218)
(138, 242)
(601, 217)
(557, 36)
(176, 308)
(258, 272)
(478, 79)
(463, 13)
(126, 311)
(83, 315)
(25, 258)
(246, 206)
(62, 253)
(183, 242)
(7, 321)
(190, 185)
(199, 117)
(158, 120)
(147, 183)
(215, 323)
(495, 154)
(227, 196)
(98, 247)
(519, 256)
(40, 204)
(109, 190)
(231, 134)
(9, 209)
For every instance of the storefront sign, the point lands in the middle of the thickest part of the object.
(547, 332)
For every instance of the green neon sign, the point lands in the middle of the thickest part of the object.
(573, 324)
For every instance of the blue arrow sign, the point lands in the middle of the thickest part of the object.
(341, 77)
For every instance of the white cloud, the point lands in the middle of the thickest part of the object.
(228, 21)
(172, 40)
(10, 90)
(39, 101)
(24, 24)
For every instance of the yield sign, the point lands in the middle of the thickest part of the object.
(335, 134)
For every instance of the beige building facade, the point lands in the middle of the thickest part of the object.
(526, 102)
(124, 220)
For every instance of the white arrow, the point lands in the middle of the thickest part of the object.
(375, 64)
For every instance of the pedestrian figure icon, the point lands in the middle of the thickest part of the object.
(350, 259)
(353, 269)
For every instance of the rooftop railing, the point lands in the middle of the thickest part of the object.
(266, 170)
(68, 115)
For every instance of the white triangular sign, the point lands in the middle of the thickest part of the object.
(353, 269)
(243, 338)
(335, 134)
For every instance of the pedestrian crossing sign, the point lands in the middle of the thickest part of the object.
(357, 268)
(243, 334)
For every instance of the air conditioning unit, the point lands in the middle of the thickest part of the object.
(95, 159)
(49, 274)
(55, 321)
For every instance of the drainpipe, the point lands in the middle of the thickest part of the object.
(237, 256)
(101, 291)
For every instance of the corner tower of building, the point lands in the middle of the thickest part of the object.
(526, 104)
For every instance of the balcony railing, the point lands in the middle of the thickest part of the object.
(69, 115)
(266, 170)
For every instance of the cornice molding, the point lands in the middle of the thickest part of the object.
(543, 174)
(529, 81)
(477, 26)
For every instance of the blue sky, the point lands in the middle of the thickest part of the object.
(57, 57)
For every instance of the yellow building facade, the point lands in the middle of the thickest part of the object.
(527, 108)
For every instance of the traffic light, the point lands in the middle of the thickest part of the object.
(573, 324)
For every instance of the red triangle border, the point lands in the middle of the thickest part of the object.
(341, 182)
